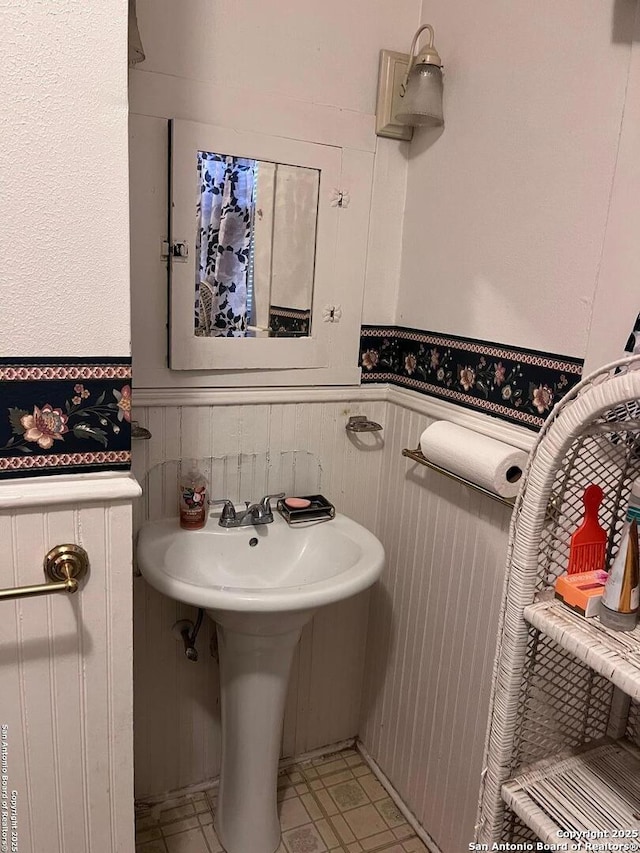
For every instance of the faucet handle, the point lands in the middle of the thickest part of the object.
(266, 501)
(228, 510)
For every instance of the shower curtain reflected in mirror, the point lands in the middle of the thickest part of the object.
(224, 211)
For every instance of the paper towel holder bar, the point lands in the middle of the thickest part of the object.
(418, 456)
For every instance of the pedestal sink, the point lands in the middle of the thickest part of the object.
(261, 585)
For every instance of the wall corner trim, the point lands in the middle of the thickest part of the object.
(99, 487)
(151, 397)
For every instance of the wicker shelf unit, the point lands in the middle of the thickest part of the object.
(563, 744)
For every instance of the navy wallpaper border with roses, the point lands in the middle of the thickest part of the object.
(64, 415)
(518, 385)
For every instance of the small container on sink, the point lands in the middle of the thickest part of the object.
(303, 508)
(193, 503)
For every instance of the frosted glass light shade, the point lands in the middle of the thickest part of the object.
(422, 103)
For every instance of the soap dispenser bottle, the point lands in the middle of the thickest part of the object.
(193, 499)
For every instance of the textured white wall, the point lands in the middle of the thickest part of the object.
(506, 211)
(63, 172)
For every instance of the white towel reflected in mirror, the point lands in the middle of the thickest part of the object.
(136, 52)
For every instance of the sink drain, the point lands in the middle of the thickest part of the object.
(253, 542)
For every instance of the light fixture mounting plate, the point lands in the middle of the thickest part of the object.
(392, 69)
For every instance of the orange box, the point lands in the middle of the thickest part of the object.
(582, 591)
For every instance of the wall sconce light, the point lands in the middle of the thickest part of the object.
(409, 90)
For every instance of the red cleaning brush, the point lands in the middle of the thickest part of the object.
(589, 542)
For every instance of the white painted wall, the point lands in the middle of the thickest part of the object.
(506, 212)
(63, 173)
(311, 69)
(617, 300)
(324, 53)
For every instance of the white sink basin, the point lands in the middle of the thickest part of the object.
(261, 585)
(289, 568)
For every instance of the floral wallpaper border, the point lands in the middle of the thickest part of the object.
(64, 415)
(517, 385)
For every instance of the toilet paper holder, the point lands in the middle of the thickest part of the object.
(418, 456)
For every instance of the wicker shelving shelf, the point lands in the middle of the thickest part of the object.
(563, 684)
(593, 789)
(613, 654)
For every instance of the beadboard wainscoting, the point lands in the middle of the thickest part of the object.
(432, 634)
(420, 704)
(66, 665)
(177, 717)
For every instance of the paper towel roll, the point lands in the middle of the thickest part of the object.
(485, 461)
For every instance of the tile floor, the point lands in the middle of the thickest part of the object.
(334, 803)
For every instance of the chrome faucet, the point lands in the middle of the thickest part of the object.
(256, 513)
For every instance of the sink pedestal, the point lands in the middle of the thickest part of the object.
(255, 652)
(260, 586)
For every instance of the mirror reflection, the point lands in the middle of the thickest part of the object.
(255, 247)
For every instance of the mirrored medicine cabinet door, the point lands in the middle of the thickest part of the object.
(257, 232)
